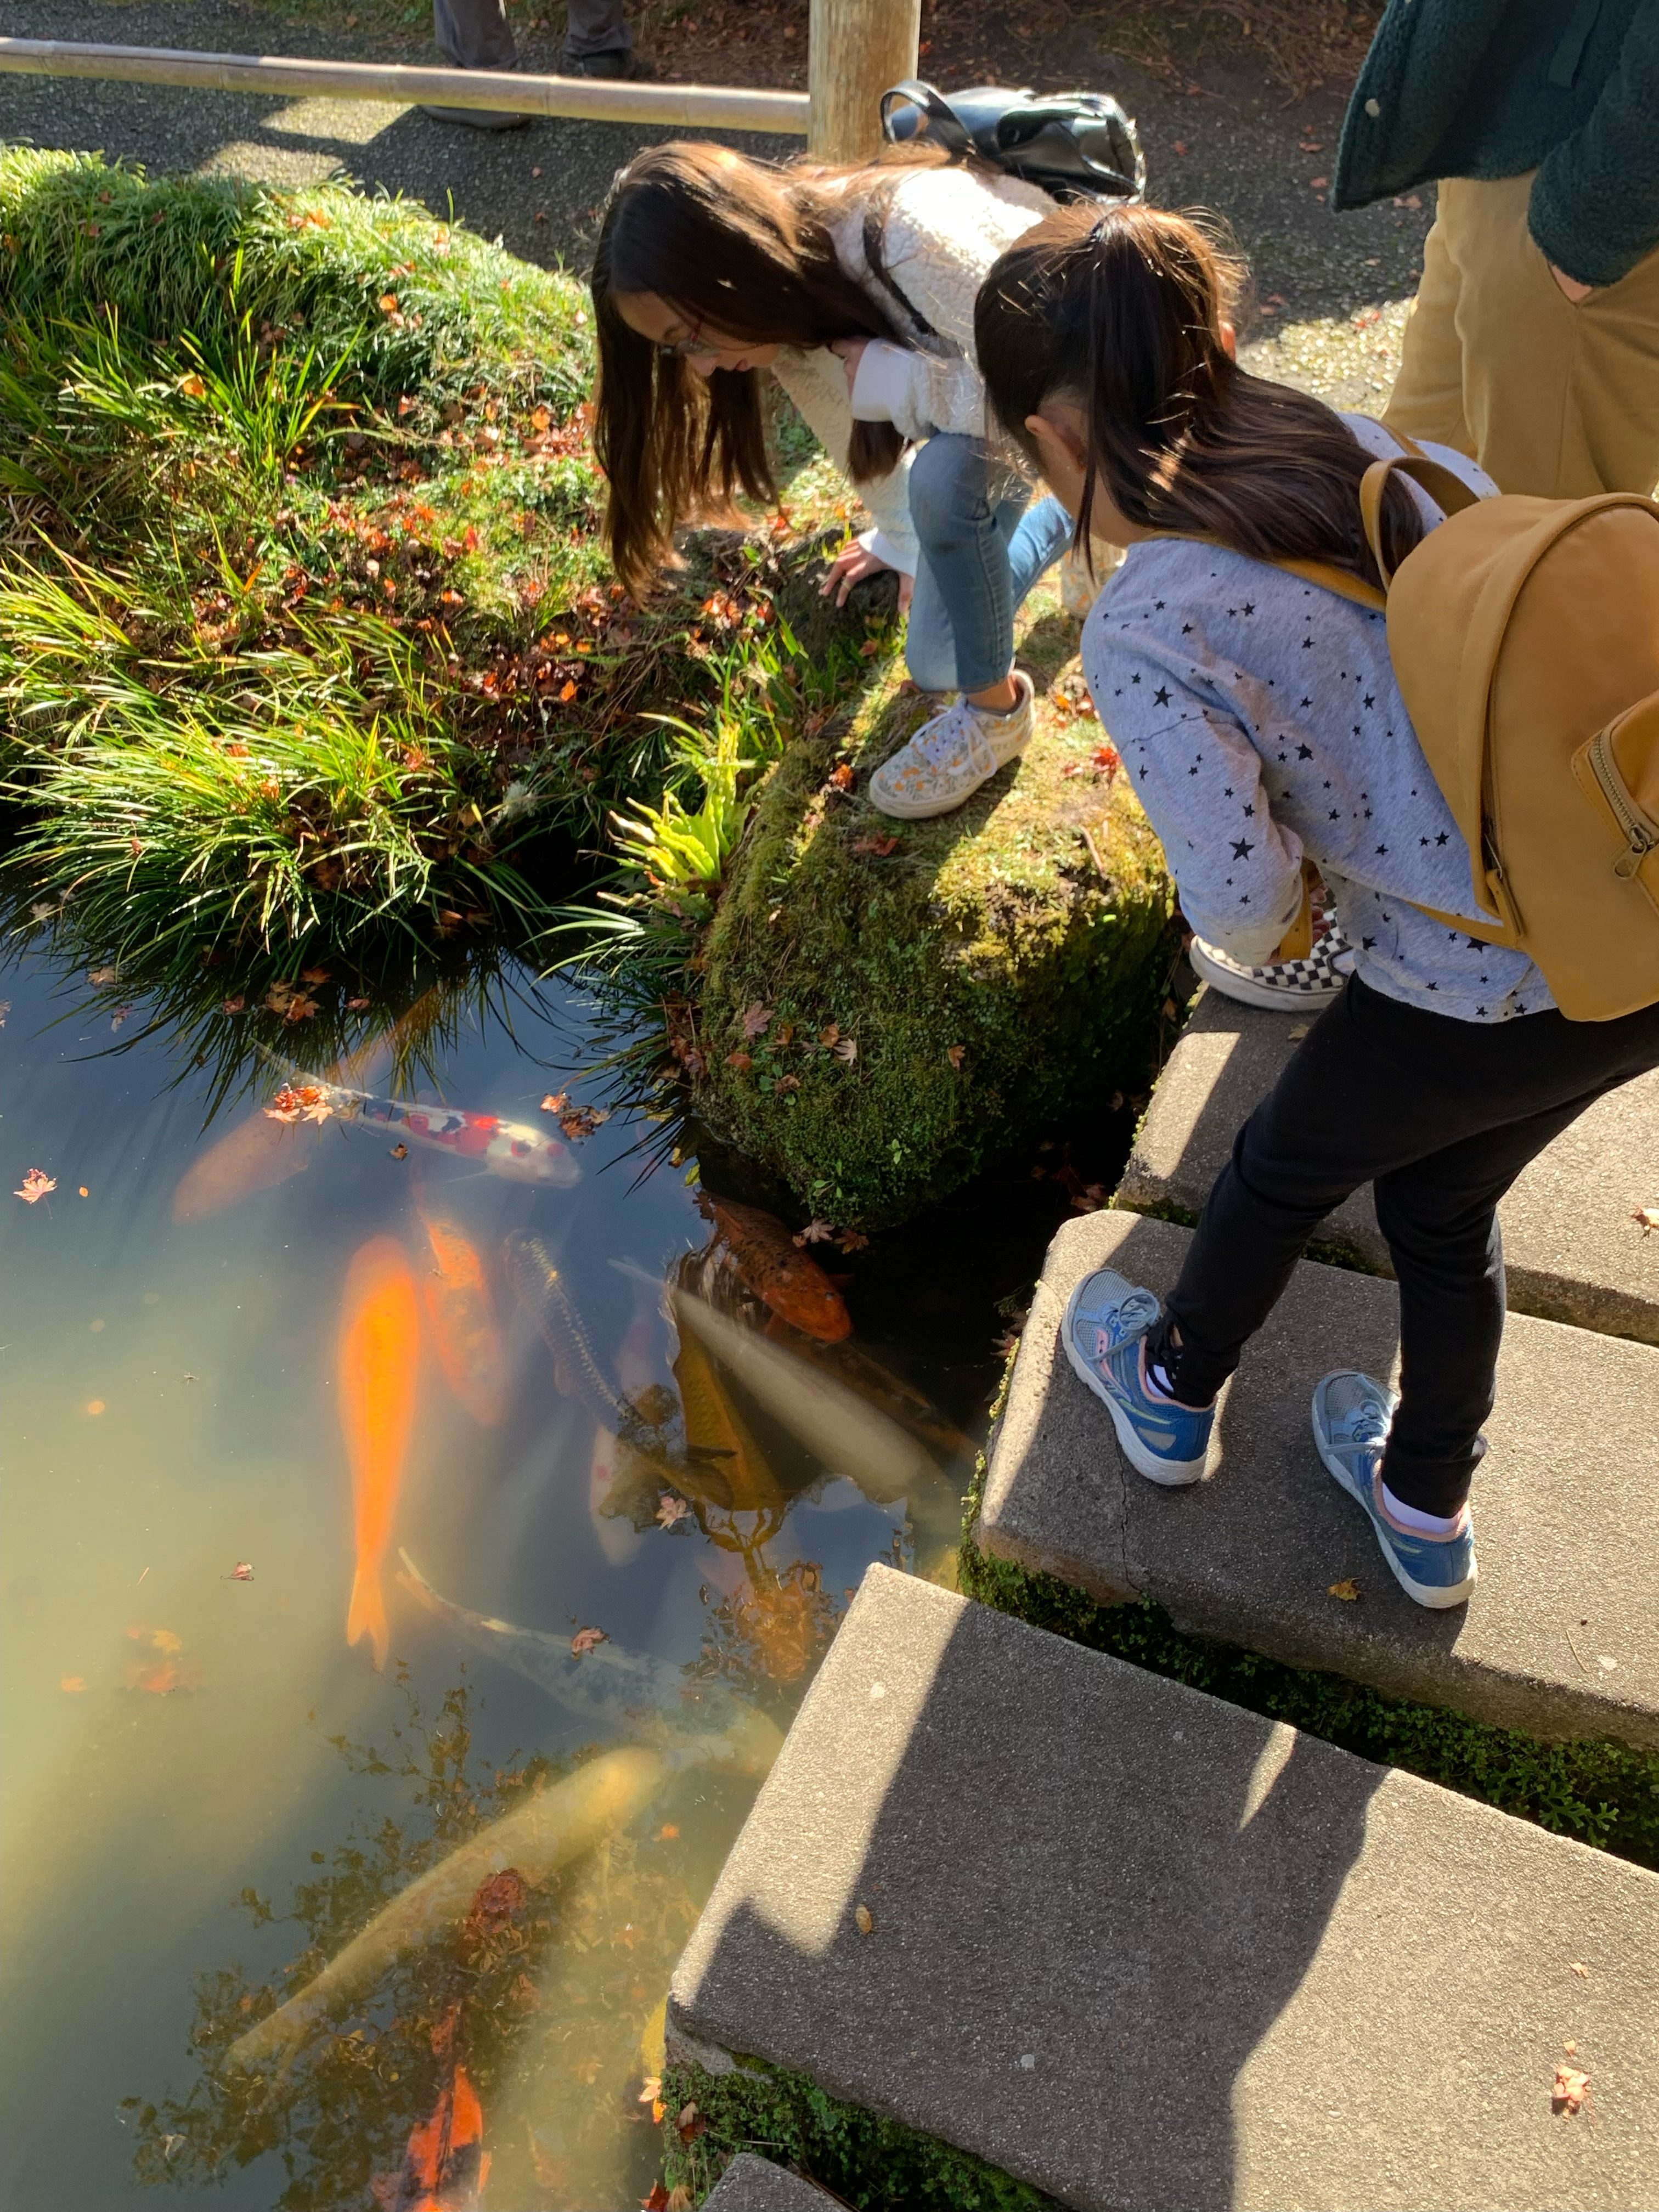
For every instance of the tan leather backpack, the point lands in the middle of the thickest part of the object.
(1525, 640)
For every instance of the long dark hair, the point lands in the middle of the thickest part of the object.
(1123, 314)
(745, 247)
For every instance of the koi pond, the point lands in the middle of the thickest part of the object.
(418, 1527)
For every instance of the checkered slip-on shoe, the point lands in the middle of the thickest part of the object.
(1287, 986)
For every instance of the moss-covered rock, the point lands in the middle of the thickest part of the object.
(885, 1006)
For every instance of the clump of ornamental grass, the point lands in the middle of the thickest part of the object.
(308, 644)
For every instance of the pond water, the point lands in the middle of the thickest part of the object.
(209, 1790)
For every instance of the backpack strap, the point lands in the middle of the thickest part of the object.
(1448, 490)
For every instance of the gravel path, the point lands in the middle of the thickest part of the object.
(1329, 289)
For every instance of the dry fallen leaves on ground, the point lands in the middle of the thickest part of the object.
(1347, 1590)
(35, 1185)
(1647, 1217)
(956, 1054)
(585, 1639)
(1571, 2090)
(864, 1918)
(756, 1020)
(689, 2123)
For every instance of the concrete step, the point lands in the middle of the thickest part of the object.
(1561, 1637)
(1153, 1953)
(1572, 1251)
(755, 2185)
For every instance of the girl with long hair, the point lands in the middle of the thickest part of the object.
(856, 288)
(1258, 713)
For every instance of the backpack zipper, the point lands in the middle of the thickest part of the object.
(1641, 835)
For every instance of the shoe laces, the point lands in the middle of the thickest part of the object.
(1137, 1315)
(946, 732)
(1369, 1428)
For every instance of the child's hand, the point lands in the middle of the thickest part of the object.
(852, 565)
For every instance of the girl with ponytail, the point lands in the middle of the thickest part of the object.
(1256, 707)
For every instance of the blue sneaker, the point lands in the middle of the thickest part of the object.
(1350, 1418)
(1106, 1319)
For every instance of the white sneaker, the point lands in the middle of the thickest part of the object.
(951, 755)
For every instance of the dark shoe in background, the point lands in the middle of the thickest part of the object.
(616, 66)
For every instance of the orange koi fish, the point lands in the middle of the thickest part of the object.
(444, 2164)
(463, 1317)
(774, 1267)
(379, 1358)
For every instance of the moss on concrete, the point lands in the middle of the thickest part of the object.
(874, 2163)
(992, 969)
(1598, 1792)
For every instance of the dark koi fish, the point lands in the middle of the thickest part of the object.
(775, 1268)
(577, 1372)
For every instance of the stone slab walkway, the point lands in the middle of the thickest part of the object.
(1153, 1954)
(1561, 1637)
(1572, 1251)
(755, 2185)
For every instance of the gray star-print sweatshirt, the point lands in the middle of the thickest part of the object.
(1260, 719)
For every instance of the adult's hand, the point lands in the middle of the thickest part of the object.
(1575, 291)
(851, 353)
(852, 565)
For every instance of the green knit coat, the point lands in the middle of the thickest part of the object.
(1494, 88)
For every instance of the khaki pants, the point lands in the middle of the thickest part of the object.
(1559, 401)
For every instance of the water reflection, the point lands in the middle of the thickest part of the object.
(281, 1382)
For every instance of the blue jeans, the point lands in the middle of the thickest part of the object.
(983, 546)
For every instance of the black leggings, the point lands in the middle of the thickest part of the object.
(1441, 1116)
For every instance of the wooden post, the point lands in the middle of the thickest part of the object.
(855, 50)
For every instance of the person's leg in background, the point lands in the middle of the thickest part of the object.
(598, 42)
(1561, 401)
(475, 34)
(1427, 399)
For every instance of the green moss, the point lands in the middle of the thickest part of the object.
(1599, 1792)
(875, 2164)
(993, 968)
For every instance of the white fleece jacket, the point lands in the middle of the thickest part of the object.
(943, 229)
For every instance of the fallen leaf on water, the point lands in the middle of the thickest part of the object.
(689, 2123)
(1347, 1590)
(581, 1121)
(241, 1572)
(94, 1407)
(657, 2201)
(756, 1020)
(650, 2089)
(667, 1833)
(85, 1193)
(816, 1233)
(299, 1008)
(357, 1006)
(854, 1240)
(99, 976)
(956, 1054)
(165, 1640)
(587, 1639)
(864, 1918)
(118, 1017)
(232, 1006)
(1570, 2090)
(671, 1510)
(399, 1152)
(74, 1684)
(555, 1102)
(1647, 1217)
(314, 976)
(35, 1185)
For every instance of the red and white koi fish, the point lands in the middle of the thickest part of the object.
(514, 1150)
